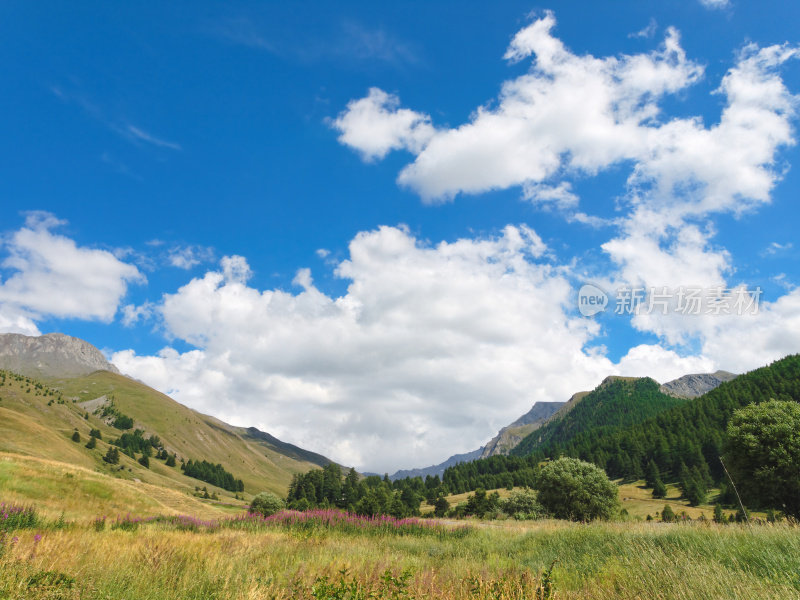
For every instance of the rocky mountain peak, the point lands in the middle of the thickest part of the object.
(50, 355)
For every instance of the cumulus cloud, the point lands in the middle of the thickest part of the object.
(573, 116)
(375, 125)
(431, 349)
(49, 275)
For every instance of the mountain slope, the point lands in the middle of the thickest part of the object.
(616, 402)
(38, 419)
(511, 435)
(692, 433)
(51, 355)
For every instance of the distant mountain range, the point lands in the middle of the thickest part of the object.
(543, 413)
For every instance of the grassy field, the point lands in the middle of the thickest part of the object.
(501, 560)
(635, 498)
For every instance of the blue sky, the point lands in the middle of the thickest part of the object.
(363, 226)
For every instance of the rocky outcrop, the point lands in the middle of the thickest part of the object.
(512, 434)
(51, 355)
(692, 386)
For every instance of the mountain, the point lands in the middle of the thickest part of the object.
(616, 402)
(51, 355)
(692, 386)
(692, 433)
(440, 468)
(511, 435)
(38, 417)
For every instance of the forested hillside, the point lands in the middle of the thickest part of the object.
(617, 402)
(692, 434)
(607, 428)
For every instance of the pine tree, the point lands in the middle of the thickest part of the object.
(76, 437)
(719, 516)
(92, 444)
(659, 489)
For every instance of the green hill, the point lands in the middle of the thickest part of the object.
(691, 434)
(616, 402)
(39, 417)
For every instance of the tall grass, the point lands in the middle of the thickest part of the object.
(326, 557)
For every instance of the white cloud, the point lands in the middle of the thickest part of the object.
(431, 348)
(375, 125)
(132, 314)
(51, 276)
(646, 32)
(776, 248)
(578, 113)
(573, 116)
(715, 3)
(187, 257)
(140, 134)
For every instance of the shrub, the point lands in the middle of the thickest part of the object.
(573, 489)
(76, 437)
(266, 504)
(668, 515)
(523, 504)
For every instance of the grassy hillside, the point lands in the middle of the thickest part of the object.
(38, 419)
(82, 494)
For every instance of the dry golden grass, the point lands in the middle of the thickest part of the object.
(56, 487)
(597, 561)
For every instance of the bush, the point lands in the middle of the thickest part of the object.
(573, 489)
(523, 504)
(266, 504)
(668, 515)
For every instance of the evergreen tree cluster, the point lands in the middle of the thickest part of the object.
(490, 473)
(373, 495)
(213, 474)
(118, 420)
